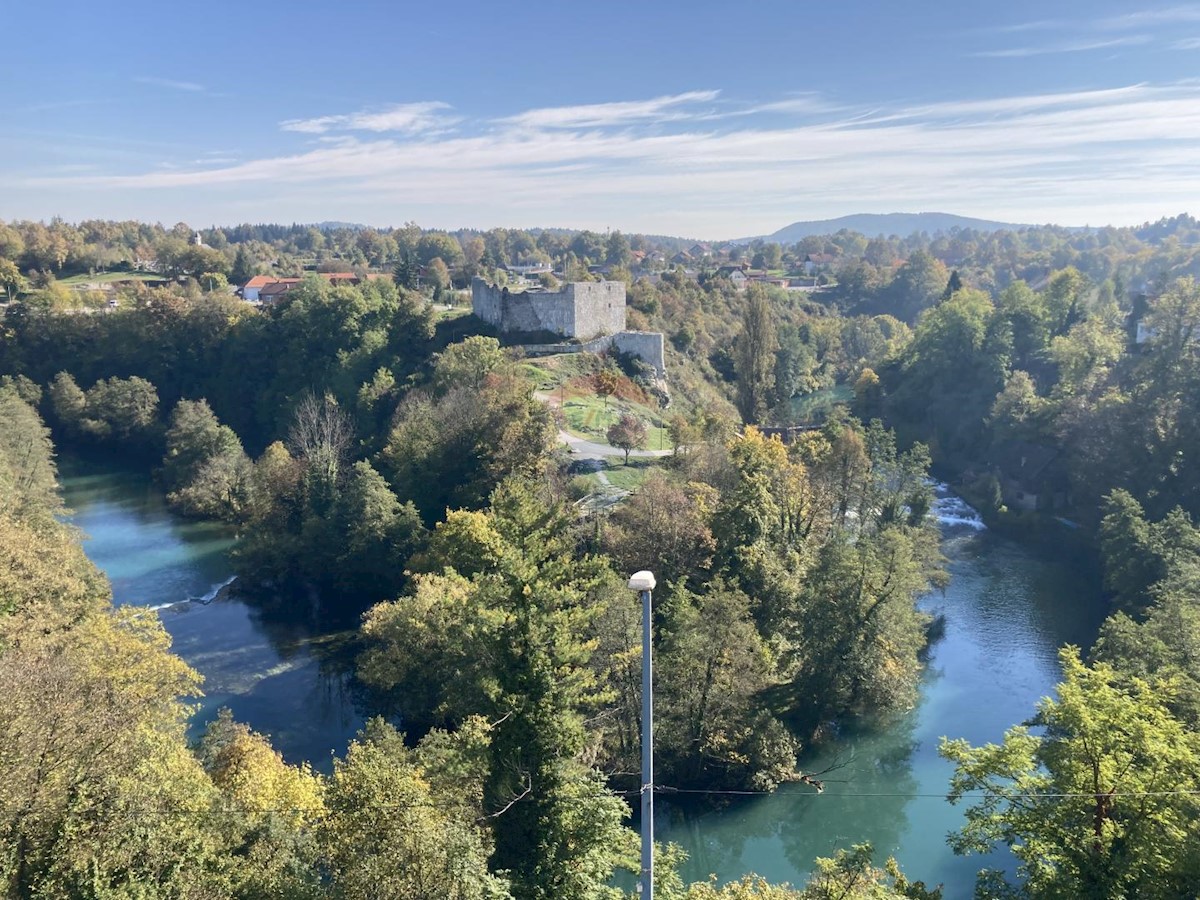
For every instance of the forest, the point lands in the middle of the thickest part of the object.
(398, 464)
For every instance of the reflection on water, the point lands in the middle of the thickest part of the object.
(1007, 611)
(282, 677)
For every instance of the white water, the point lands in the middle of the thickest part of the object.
(208, 597)
(950, 509)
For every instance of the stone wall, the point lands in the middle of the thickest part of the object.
(582, 310)
(647, 345)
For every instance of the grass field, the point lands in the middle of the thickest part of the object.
(586, 416)
(109, 278)
(630, 477)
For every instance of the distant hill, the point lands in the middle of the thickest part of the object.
(874, 225)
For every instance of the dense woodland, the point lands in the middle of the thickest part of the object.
(398, 466)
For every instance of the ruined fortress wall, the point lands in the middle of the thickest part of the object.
(486, 301)
(599, 307)
(579, 310)
(647, 345)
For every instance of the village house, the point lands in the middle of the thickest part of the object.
(818, 262)
(736, 275)
(266, 289)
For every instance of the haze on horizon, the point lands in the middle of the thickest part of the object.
(672, 120)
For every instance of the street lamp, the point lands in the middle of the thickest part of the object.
(643, 582)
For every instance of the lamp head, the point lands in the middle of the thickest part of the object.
(642, 581)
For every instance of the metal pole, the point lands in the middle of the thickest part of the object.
(643, 582)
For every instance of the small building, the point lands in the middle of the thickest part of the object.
(272, 291)
(1031, 476)
(250, 289)
(735, 274)
(818, 262)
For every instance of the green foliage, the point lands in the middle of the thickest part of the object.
(508, 641)
(452, 449)
(117, 410)
(205, 468)
(1098, 806)
(391, 834)
(712, 666)
(754, 357)
(850, 875)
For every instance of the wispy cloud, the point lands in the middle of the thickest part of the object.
(595, 115)
(1025, 156)
(189, 86)
(404, 118)
(1077, 46)
(1170, 15)
(1192, 43)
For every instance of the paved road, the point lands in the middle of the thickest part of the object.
(581, 449)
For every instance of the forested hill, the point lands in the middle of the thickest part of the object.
(886, 224)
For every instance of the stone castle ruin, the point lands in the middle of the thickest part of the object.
(591, 313)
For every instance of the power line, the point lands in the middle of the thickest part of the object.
(1055, 795)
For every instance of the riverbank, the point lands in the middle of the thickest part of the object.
(283, 677)
(1007, 610)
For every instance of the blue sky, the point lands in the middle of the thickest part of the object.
(700, 119)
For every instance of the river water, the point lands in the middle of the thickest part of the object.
(1006, 610)
(282, 677)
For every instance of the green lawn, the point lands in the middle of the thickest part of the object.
(110, 277)
(587, 416)
(630, 477)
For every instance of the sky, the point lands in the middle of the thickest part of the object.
(700, 119)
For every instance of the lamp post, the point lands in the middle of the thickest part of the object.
(643, 583)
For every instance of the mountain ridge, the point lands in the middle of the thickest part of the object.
(885, 225)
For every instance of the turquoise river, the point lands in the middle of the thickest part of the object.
(1007, 610)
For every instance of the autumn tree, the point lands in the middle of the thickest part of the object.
(627, 433)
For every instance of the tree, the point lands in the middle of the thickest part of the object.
(389, 835)
(1101, 804)
(605, 382)
(122, 409)
(665, 527)
(754, 357)
(714, 667)
(194, 436)
(849, 875)
(512, 640)
(321, 435)
(627, 433)
(1132, 563)
(10, 278)
(617, 251)
(918, 285)
(405, 274)
(244, 267)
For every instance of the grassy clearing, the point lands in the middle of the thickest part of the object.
(566, 380)
(109, 278)
(588, 417)
(630, 477)
(441, 314)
